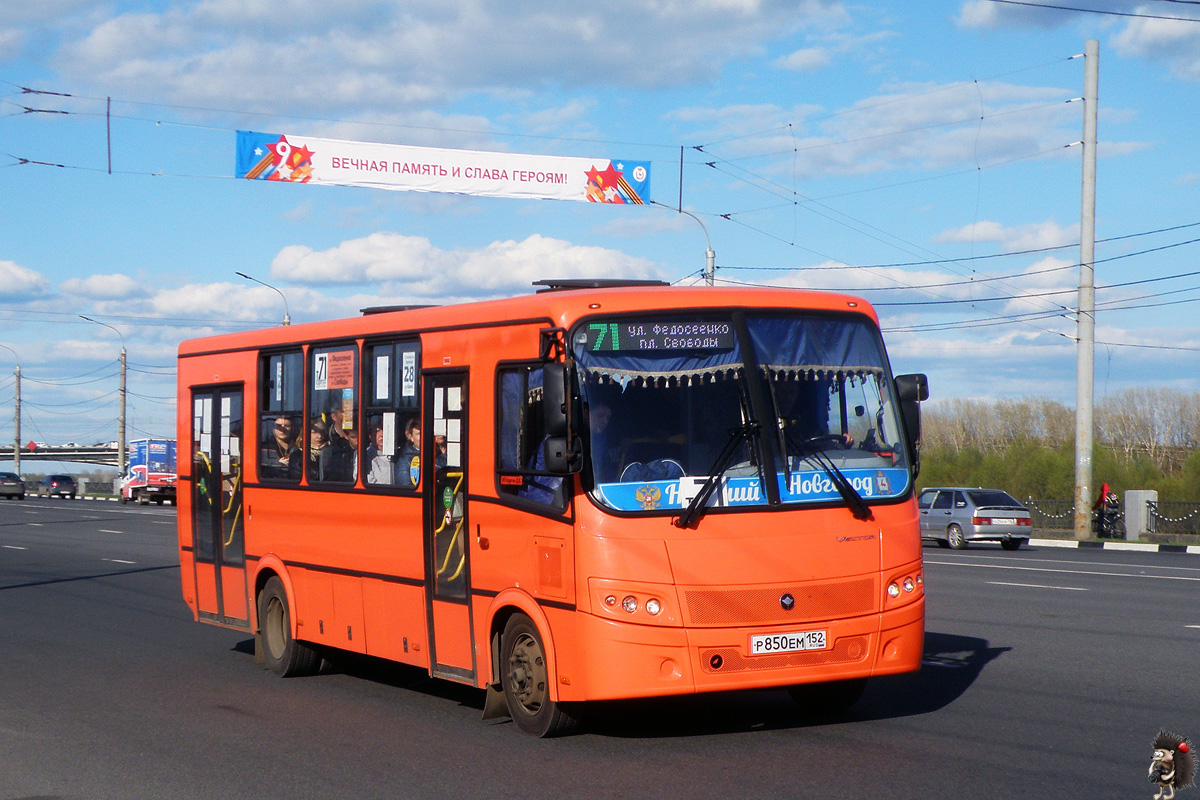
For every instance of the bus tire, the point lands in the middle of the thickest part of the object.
(285, 656)
(832, 697)
(526, 682)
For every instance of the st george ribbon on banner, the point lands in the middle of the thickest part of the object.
(303, 159)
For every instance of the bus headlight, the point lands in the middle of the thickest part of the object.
(629, 604)
(653, 606)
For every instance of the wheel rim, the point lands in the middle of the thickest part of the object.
(275, 629)
(527, 674)
(956, 537)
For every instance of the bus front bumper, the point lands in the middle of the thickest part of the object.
(623, 660)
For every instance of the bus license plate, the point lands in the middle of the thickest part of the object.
(787, 642)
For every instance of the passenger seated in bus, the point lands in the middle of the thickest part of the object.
(344, 456)
(319, 451)
(408, 462)
(379, 463)
(352, 440)
(283, 458)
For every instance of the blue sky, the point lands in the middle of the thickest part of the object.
(914, 153)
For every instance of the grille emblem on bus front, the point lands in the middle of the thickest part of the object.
(787, 602)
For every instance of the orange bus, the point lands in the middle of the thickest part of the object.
(601, 490)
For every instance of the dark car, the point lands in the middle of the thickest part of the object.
(57, 486)
(12, 486)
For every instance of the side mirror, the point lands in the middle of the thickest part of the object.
(556, 399)
(562, 456)
(912, 389)
(562, 449)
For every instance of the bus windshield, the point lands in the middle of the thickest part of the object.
(665, 394)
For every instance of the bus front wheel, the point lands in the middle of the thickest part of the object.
(527, 684)
(285, 656)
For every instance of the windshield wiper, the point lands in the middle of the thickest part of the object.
(858, 506)
(695, 509)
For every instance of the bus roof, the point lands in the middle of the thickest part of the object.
(560, 307)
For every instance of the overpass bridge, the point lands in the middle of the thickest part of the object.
(101, 456)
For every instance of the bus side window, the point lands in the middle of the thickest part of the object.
(281, 427)
(392, 410)
(332, 455)
(519, 439)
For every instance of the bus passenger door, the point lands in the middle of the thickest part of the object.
(447, 572)
(217, 530)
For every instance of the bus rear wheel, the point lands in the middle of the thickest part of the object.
(526, 682)
(285, 656)
(822, 699)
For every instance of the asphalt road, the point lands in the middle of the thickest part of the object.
(1047, 673)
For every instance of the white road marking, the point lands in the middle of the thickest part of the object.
(119, 561)
(1069, 571)
(1008, 560)
(106, 530)
(14, 547)
(1039, 586)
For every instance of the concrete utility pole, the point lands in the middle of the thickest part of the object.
(121, 414)
(17, 425)
(1085, 320)
(16, 413)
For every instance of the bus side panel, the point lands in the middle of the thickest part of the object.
(206, 587)
(395, 616)
(233, 592)
(187, 579)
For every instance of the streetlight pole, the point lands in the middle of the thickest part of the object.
(121, 416)
(16, 413)
(287, 318)
(710, 258)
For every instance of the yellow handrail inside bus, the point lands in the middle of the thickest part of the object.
(450, 549)
(232, 495)
(457, 487)
(457, 531)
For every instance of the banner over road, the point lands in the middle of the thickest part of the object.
(303, 159)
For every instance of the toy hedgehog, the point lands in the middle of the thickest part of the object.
(1173, 764)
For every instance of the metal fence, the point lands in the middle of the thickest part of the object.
(1051, 514)
(1174, 517)
(1163, 517)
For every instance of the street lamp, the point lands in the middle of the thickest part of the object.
(287, 318)
(710, 258)
(16, 413)
(121, 416)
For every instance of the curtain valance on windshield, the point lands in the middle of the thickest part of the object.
(815, 347)
(684, 368)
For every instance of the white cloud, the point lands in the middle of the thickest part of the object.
(1020, 237)
(809, 59)
(20, 283)
(369, 55)
(913, 126)
(411, 266)
(987, 14)
(1176, 44)
(104, 287)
